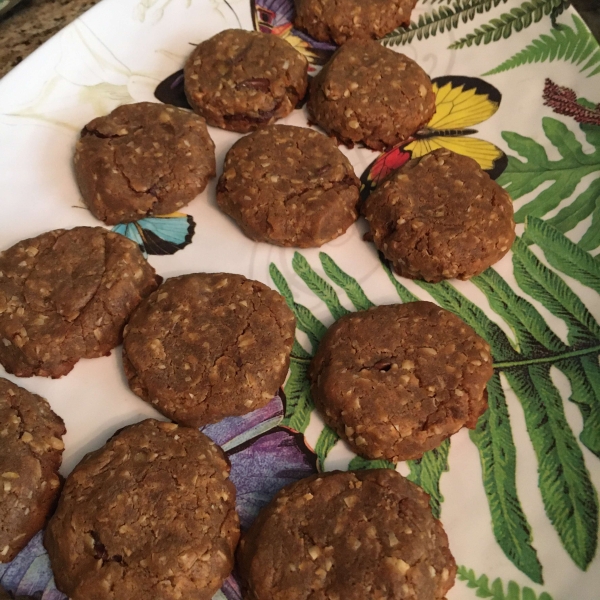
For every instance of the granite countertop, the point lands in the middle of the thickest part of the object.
(29, 24)
(32, 22)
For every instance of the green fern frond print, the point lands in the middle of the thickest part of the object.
(362, 463)
(569, 497)
(445, 18)
(427, 471)
(577, 46)
(516, 19)
(495, 591)
(525, 175)
(494, 440)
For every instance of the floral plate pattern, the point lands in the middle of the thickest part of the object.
(517, 88)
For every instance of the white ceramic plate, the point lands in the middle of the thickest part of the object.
(519, 500)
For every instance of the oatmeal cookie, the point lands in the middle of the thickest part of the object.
(338, 21)
(368, 93)
(151, 514)
(352, 536)
(242, 80)
(441, 216)
(395, 381)
(207, 346)
(66, 295)
(31, 450)
(289, 186)
(143, 159)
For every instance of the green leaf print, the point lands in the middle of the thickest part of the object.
(318, 286)
(579, 362)
(348, 284)
(543, 284)
(282, 285)
(305, 320)
(427, 471)
(524, 176)
(445, 18)
(326, 441)
(525, 359)
(358, 462)
(577, 46)
(563, 254)
(402, 292)
(494, 440)
(569, 497)
(516, 19)
(299, 404)
(496, 590)
(537, 340)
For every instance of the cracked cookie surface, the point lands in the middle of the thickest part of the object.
(31, 450)
(338, 21)
(368, 93)
(66, 295)
(242, 80)
(289, 186)
(143, 159)
(440, 216)
(207, 346)
(347, 536)
(151, 514)
(395, 381)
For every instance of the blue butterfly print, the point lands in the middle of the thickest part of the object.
(159, 235)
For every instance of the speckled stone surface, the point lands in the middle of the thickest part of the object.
(32, 22)
(29, 24)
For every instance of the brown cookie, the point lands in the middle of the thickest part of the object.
(143, 159)
(66, 295)
(338, 21)
(207, 346)
(395, 381)
(289, 186)
(351, 536)
(151, 514)
(371, 94)
(31, 450)
(242, 80)
(441, 216)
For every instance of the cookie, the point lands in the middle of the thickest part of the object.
(371, 94)
(395, 381)
(31, 450)
(289, 186)
(66, 295)
(242, 80)
(351, 536)
(338, 21)
(441, 216)
(143, 159)
(207, 346)
(151, 514)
